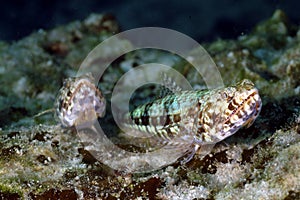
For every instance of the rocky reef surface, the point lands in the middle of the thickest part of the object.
(41, 160)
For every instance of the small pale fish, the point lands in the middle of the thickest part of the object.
(79, 102)
(194, 121)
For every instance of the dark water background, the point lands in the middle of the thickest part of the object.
(203, 20)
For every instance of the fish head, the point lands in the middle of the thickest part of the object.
(79, 102)
(228, 109)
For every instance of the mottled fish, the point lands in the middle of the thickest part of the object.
(79, 102)
(191, 120)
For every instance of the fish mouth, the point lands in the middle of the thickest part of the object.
(255, 113)
(247, 110)
(243, 116)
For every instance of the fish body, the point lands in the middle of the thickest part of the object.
(193, 119)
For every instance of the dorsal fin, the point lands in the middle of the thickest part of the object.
(169, 86)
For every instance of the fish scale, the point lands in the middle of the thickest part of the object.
(165, 112)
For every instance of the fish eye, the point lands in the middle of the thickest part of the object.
(224, 95)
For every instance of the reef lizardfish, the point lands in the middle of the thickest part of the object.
(191, 120)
